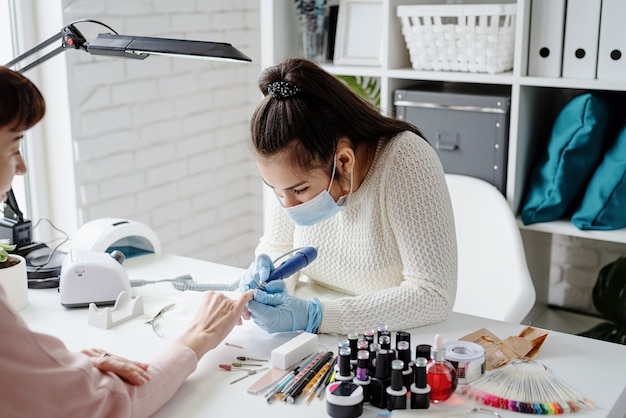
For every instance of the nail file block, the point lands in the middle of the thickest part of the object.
(294, 350)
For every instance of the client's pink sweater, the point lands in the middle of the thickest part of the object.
(39, 377)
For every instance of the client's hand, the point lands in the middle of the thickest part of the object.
(130, 371)
(215, 318)
(277, 312)
(258, 271)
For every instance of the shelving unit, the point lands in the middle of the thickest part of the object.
(535, 103)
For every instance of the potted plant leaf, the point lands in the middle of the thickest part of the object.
(13, 277)
(366, 87)
(609, 298)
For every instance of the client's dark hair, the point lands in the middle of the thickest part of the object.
(21, 102)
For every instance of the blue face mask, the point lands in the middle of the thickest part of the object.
(318, 209)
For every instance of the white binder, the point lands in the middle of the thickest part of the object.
(612, 47)
(582, 30)
(545, 50)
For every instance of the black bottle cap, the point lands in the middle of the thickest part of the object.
(423, 350)
(403, 336)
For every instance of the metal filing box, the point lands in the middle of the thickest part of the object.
(468, 126)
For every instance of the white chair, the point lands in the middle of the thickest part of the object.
(493, 278)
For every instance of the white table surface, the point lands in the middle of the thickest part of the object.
(593, 368)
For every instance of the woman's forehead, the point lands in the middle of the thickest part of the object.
(282, 172)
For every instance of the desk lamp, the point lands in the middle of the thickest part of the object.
(13, 226)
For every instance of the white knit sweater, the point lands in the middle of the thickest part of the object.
(391, 252)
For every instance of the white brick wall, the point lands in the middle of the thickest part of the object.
(164, 141)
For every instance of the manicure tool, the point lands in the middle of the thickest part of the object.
(152, 321)
(244, 364)
(298, 261)
(250, 373)
(233, 345)
(229, 367)
(301, 258)
(244, 358)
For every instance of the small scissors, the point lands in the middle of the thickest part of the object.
(154, 324)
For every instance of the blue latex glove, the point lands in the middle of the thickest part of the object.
(279, 312)
(258, 271)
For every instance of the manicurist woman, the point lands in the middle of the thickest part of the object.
(367, 191)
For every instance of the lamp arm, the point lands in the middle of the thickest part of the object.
(46, 57)
(71, 38)
(31, 51)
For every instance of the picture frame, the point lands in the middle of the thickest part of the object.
(359, 33)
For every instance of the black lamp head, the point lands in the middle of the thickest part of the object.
(139, 47)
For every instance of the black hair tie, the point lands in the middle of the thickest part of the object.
(282, 89)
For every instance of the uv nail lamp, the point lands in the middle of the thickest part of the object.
(108, 234)
(91, 277)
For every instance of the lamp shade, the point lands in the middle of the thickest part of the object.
(140, 47)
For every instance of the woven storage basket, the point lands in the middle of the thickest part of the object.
(470, 38)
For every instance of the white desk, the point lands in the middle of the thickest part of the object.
(593, 368)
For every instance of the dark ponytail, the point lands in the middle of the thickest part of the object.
(308, 109)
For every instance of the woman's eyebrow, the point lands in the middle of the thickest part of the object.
(295, 186)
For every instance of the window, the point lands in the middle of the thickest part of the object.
(7, 48)
(47, 148)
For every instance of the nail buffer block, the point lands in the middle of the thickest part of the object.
(294, 350)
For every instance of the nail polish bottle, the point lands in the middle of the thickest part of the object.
(403, 336)
(382, 329)
(396, 392)
(381, 380)
(385, 342)
(353, 340)
(362, 345)
(369, 335)
(373, 349)
(420, 390)
(343, 362)
(403, 352)
(362, 377)
(341, 343)
(440, 374)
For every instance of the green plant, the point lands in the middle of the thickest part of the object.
(609, 298)
(366, 87)
(5, 258)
